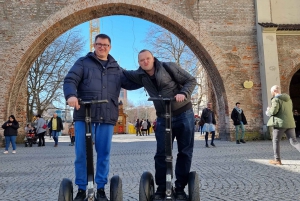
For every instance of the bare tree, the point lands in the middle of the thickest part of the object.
(168, 47)
(47, 73)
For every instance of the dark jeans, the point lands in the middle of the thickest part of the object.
(42, 138)
(183, 130)
(138, 131)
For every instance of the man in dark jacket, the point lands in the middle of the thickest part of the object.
(239, 120)
(209, 126)
(169, 80)
(97, 76)
(56, 126)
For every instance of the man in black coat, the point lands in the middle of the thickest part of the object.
(239, 120)
(56, 126)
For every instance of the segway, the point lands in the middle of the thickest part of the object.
(147, 187)
(66, 186)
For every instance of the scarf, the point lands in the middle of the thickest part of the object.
(239, 110)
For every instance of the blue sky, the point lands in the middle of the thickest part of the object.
(127, 34)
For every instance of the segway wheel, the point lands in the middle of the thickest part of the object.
(116, 192)
(146, 190)
(65, 190)
(193, 184)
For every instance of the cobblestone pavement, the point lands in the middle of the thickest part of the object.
(228, 172)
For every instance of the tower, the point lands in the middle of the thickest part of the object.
(94, 30)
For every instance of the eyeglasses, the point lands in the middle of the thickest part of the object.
(102, 45)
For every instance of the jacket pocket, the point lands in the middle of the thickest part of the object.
(81, 112)
(113, 109)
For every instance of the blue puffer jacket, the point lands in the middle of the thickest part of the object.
(89, 80)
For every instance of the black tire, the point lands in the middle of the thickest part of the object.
(65, 190)
(30, 144)
(194, 190)
(116, 192)
(146, 190)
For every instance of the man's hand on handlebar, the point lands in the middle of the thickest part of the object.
(73, 102)
(180, 97)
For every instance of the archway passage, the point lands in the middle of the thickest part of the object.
(183, 29)
(295, 90)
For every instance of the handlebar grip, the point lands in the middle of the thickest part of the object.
(81, 102)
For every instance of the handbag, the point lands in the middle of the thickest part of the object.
(44, 126)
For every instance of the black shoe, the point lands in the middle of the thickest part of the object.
(212, 144)
(101, 195)
(81, 195)
(160, 193)
(238, 142)
(242, 141)
(180, 194)
(206, 146)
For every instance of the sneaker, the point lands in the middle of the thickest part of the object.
(275, 162)
(81, 195)
(206, 146)
(101, 195)
(212, 144)
(14, 151)
(160, 193)
(237, 142)
(180, 194)
(242, 141)
(5, 152)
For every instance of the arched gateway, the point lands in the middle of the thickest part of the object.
(221, 33)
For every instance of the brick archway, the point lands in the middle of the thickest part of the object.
(77, 12)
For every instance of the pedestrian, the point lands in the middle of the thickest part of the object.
(169, 80)
(148, 127)
(41, 129)
(208, 117)
(282, 121)
(201, 124)
(154, 125)
(138, 127)
(144, 127)
(95, 76)
(297, 122)
(239, 120)
(56, 126)
(10, 133)
(71, 132)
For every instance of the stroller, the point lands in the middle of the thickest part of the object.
(30, 138)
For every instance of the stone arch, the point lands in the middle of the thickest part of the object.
(294, 86)
(78, 12)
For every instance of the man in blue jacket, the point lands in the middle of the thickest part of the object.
(169, 80)
(96, 76)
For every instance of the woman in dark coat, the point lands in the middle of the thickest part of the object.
(10, 132)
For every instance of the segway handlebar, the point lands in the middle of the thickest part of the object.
(161, 99)
(81, 102)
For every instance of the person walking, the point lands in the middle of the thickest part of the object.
(138, 127)
(297, 122)
(282, 121)
(71, 133)
(239, 120)
(144, 127)
(95, 76)
(10, 133)
(40, 129)
(148, 126)
(56, 126)
(167, 79)
(208, 117)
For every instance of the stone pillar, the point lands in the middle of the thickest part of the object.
(268, 54)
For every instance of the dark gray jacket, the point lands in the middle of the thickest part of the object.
(170, 82)
(88, 80)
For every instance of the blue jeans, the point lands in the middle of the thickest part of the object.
(102, 134)
(183, 130)
(237, 128)
(55, 135)
(8, 140)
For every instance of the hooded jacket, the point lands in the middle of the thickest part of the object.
(281, 112)
(89, 80)
(11, 130)
(170, 82)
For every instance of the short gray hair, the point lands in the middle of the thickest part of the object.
(275, 88)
